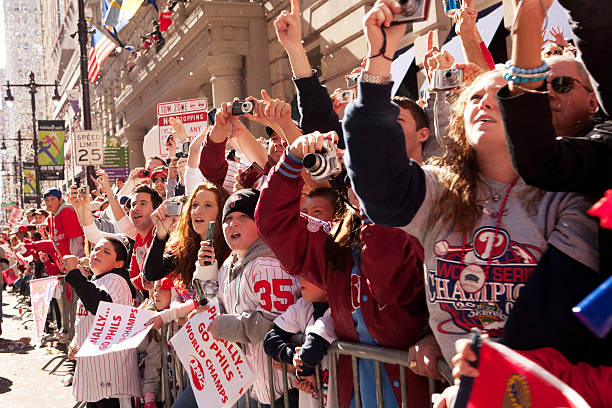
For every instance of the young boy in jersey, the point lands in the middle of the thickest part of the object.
(110, 380)
(253, 290)
(308, 316)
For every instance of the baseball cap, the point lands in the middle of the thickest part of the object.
(244, 200)
(159, 171)
(52, 192)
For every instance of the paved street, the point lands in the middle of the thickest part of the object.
(22, 382)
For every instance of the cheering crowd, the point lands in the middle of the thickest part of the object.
(400, 226)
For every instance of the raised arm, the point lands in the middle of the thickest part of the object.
(390, 186)
(212, 155)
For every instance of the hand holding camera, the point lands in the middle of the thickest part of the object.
(164, 217)
(104, 183)
(222, 128)
(318, 153)
(383, 37)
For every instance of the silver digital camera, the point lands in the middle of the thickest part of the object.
(412, 10)
(323, 165)
(444, 79)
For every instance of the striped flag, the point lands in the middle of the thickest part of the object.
(101, 47)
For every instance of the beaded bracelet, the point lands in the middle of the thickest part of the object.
(517, 70)
(525, 78)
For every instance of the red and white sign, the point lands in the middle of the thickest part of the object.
(41, 292)
(193, 113)
(15, 215)
(117, 327)
(217, 369)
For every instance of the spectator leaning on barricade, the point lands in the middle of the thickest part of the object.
(559, 101)
(99, 380)
(471, 211)
(66, 232)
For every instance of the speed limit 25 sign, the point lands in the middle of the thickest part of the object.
(88, 148)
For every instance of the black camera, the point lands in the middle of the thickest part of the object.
(242, 107)
(184, 150)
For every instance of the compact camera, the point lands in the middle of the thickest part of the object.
(412, 10)
(451, 7)
(345, 96)
(352, 80)
(174, 207)
(242, 107)
(251, 175)
(444, 79)
(143, 174)
(184, 150)
(324, 165)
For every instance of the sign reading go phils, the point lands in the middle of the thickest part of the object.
(217, 369)
(117, 327)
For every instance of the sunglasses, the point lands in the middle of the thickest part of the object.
(163, 179)
(564, 84)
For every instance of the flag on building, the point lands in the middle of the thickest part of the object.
(110, 11)
(507, 379)
(101, 47)
(128, 9)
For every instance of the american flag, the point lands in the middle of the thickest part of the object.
(101, 47)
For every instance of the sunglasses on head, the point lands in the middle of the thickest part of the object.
(564, 84)
(156, 179)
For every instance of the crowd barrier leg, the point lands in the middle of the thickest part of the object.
(285, 385)
(271, 380)
(357, 391)
(321, 401)
(333, 379)
(403, 390)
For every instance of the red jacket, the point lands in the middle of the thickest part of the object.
(395, 312)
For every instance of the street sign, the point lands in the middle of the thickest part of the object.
(116, 162)
(193, 113)
(87, 147)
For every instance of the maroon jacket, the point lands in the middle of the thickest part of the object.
(395, 312)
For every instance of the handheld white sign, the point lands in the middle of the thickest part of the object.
(217, 369)
(117, 327)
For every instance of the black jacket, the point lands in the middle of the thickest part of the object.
(90, 294)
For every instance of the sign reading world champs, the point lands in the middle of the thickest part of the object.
(51, 149)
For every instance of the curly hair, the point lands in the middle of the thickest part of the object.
(184, 242)
(459, 207)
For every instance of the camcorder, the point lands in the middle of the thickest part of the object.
(184, 152)
(174, 207)
(323, 165)
(412, 10)
(444, 79)
(242, 107)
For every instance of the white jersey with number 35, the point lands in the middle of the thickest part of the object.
(263, 285)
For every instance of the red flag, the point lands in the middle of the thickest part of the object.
(508, 379)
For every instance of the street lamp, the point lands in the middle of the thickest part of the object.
(19, 139)
(33, 86)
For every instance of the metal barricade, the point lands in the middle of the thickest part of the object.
(355, 351)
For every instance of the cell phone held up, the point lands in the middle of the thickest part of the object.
(242, 107)
(251, 175)
(210, 235)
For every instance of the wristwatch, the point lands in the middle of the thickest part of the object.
(375, 79)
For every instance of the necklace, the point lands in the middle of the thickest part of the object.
(498, 217)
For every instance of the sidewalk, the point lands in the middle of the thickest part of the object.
(22, 382)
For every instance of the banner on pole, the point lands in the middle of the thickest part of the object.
(193, 113)
(87, 147)
(117, 327)
(41, 292)
(51, 134)
(217, 369)
(29, 180)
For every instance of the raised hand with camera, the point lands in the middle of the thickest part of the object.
(163, 219)
(223, 127)
(382, 37)
(311, 143)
